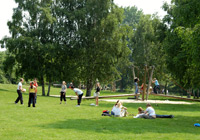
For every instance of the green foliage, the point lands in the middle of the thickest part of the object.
(182, 39)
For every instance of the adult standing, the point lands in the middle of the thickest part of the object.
(157, 86)
(36, 85)
(32, 93)
(19, 92)
(79, 94)
(136, 80)
(97, 93)
(63, 92)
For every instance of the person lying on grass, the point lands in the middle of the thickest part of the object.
(140, 112)
(149, 113)
(119, 110)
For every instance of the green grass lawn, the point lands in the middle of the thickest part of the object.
(53, 121)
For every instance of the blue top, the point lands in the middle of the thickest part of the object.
(156, 83)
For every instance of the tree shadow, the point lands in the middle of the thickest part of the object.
(109, 125)
(4, 90)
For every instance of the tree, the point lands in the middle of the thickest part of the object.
(181, 42)
(30, 29)
(101, 40)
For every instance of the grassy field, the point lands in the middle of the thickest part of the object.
(53, 121)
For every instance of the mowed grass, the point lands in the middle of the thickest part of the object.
(53, 121)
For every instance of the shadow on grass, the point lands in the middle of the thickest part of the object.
(128, 125)
(3, 90)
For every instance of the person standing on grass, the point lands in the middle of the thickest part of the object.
(149, 113)
(97, 93)
(136, 80)
(79, 94)
(63, 92)
(19, 92)
(36, 85)
(32, 94)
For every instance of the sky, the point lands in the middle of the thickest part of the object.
(148, 7)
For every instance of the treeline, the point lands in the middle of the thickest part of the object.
(89, 40)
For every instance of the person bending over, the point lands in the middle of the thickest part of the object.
(79, 94)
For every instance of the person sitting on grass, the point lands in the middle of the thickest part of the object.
(140, 112)
(32, 93)
(63, 92)
(79, 94)
(149, 113)
(119, 110)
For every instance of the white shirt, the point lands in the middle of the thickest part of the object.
(151, 111)
(78, 91)
(116, 110)
(19, 85)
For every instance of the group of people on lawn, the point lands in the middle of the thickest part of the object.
(33, 93)
(118, 109)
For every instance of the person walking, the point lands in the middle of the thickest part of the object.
(19, 92)
(32, 94)
(63, 92)
(79, 94)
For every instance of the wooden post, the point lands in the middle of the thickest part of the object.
(133, 73)
(149, 84)
(144, 81)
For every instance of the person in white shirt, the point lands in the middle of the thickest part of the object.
(149, 113)
(119, 110)
(79, 94)
(19, 91)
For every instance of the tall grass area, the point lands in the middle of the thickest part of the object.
(53, 121)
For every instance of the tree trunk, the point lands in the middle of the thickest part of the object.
(198, 94)
(43, 86)
(166, 88)
(89, 88)
(48, 93)
(149, 84)
(144, 81)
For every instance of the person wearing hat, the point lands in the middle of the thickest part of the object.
(79, 94)
(157, 86)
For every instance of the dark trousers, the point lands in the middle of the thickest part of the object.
(31, 97)
(156, 88)
(62, 96)
(35, 98)
(19, 97)
(79, 98)
(164, 116)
